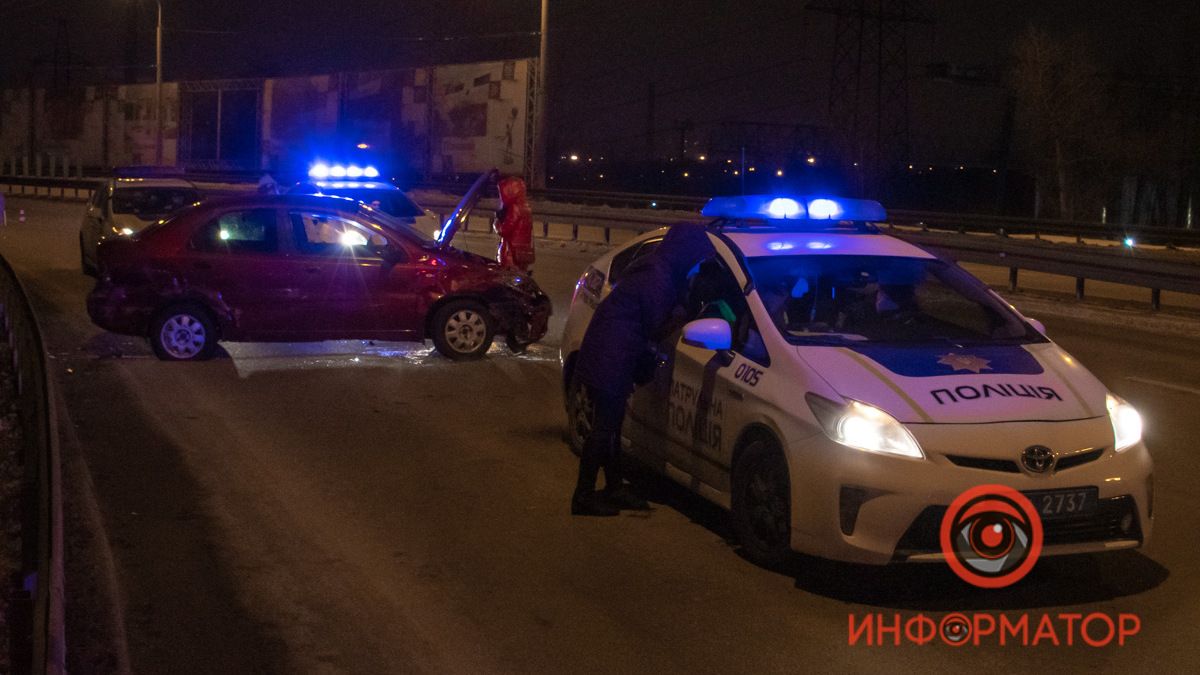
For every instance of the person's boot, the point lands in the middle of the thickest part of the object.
(624, 498)
(592, 503)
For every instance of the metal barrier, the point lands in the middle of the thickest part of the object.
(40, 645)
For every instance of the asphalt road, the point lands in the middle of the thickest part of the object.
(341, 507)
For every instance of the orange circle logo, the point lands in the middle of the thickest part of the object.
(991, 536)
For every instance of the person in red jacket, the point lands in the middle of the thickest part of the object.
(514, 225)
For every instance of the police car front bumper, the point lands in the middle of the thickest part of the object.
(869, 508)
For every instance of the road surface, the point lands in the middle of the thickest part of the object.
(339, 507)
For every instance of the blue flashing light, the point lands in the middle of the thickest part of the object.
(320, 171)
(777, 207)
(785, 207)
(780, 246)
(1130, 242)
(354, 171)
(824, 209)
(818, 245)
(371, 172)
(337, 171)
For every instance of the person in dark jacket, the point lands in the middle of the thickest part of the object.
(620, 339)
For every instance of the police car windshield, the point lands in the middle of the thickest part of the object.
(398, 225)
(392, 202)
(836, 299)
(151, 203)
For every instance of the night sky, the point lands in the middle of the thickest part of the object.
(761, 61)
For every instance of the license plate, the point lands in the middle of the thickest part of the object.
(1072, 502)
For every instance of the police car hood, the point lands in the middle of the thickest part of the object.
(962, 385)
(132, 221)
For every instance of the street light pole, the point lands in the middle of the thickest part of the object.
(158, 106)
(539, 144)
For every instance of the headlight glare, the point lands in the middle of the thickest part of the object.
(864, 427)
(1126, 422)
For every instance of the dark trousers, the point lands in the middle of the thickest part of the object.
(602, 447)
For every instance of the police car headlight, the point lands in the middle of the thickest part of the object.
(1126, 422)
(864, 427)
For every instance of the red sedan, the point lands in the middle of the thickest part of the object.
(300, 267)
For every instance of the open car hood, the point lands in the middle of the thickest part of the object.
(962, 385)
(463, 211)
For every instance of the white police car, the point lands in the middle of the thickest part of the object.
(837, 388)
(364, 184)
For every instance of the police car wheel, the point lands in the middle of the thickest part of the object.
(183, 333)
(579, 416)
(463, 330)
(762, 503)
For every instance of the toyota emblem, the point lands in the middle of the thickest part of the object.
(1037, 459)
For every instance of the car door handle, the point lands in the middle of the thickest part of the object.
(202, 266)
(734, 394)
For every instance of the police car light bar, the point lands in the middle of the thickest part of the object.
(321, 171)
(807, 208)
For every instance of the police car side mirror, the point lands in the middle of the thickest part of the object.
(712, 334)
(1037, 325)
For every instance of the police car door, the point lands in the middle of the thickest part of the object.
(708, 392)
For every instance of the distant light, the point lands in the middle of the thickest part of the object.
(354, 171)
(371, 172)
(818, 245)
(685, 174)
(783, 207)
(1130, 242)
(729, 161)
(824, 209)
(910, 166)
(780, 246)
(654, 205)
(363, 146)
(779, 173)
(126, 231)
(224, 235)
(337, 171)
(736, 172)
(352, 238)
(751, 169)
(960, 168)
(601, 176)
(574, 158)
(319, 170)
(811, 160)
(703, 157)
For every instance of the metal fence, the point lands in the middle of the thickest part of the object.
(38, 641)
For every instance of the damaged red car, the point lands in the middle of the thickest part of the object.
(285, 268)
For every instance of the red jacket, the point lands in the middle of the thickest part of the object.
(514, 224)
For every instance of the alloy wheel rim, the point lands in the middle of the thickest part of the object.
(465, 330)
(183, 336)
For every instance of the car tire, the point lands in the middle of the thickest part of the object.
(761, 501)
(515, 344)
(579, 416)
(463, 330)
(184, 332)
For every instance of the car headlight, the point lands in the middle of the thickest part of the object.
(1126, 422)
(864, 427)
(123, 231)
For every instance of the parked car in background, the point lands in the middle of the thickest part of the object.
(127, 203)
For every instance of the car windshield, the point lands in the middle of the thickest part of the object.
(152, 202)
(836, 299)
(397, 225)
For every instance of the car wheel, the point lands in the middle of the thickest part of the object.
(762, 516)
(462, 330)
(515, 344)
(183, 333)
(580, 414)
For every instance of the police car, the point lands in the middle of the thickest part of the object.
(364, 184)
(837, 388)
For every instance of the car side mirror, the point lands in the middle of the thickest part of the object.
(1037, 325)
(714, 334)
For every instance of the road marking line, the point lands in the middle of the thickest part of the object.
(1164, 385)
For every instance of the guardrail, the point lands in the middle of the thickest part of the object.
(40, 644)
